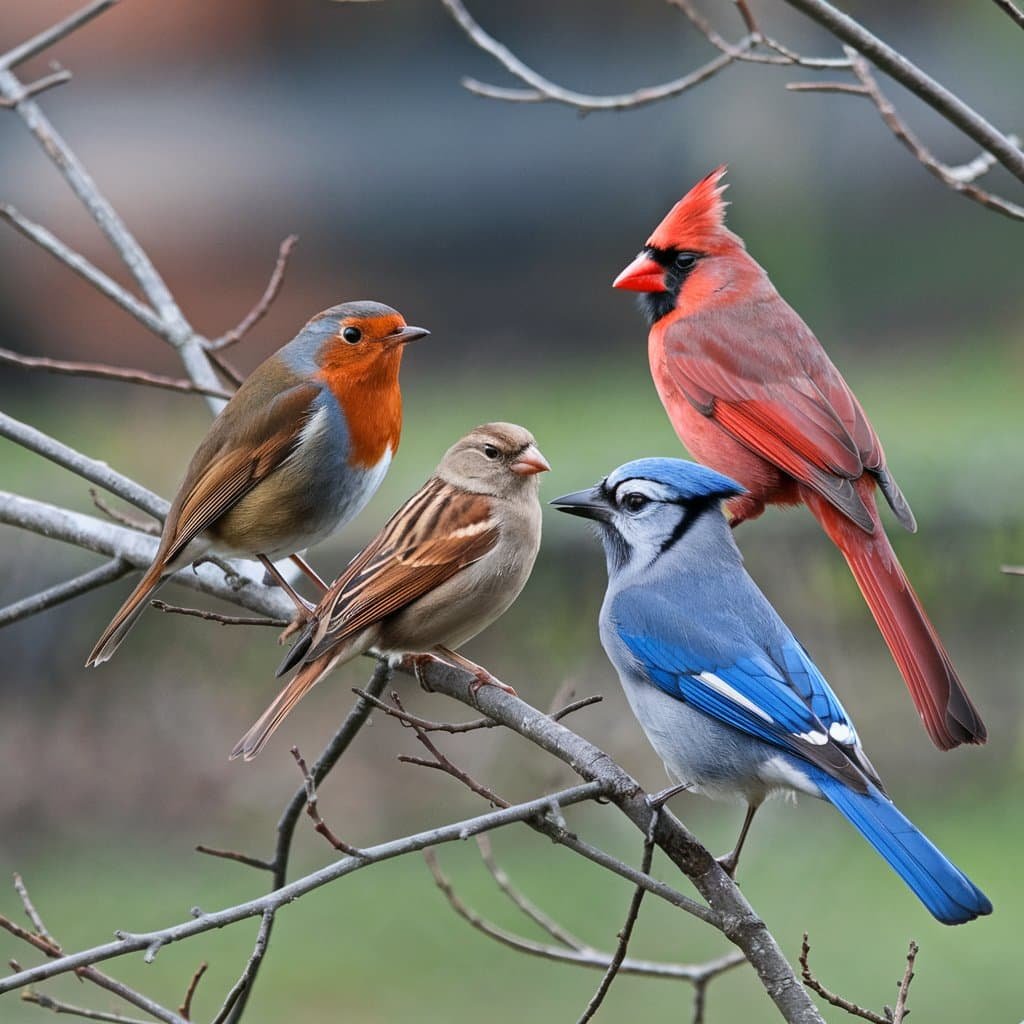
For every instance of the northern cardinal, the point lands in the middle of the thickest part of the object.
(751, 393)
(296, 453)
(448, 563)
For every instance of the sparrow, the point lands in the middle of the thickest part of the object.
(448, 563)
(296, 453)
(728, 697)
(751, 393)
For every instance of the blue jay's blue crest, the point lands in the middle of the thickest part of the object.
(688, 480)
(727, 696)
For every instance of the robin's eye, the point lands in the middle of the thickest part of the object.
(634, 501)
(352, 335)
(686, 261)
(490, 451)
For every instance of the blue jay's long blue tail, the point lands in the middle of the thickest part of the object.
(940, 885)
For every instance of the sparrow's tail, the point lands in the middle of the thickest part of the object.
(300, 684)
(939, 696)
(950, 896)
(126, 617)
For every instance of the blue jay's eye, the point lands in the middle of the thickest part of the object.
(686, 261)
(634, 501)
(490, 451)
(352, 335)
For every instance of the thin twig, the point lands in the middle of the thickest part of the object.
(123, 518)
(57, 1006)
(625, 932)
(444, 764)
(44, 40)
(586, 956)
(225, 369)
(223, 620)
(40, 85)
(242, 858)
(900, 1011)
(61, 592)
(831, 997)
(30, 911)
(104, 372)
(186, 1004)
(542, 89)
(459, 831)
(522, 901)
(313, 809)
(1012, 570)
(251, 967)
(259, 311)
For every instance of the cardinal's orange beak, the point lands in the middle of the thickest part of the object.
(529, 462)
(642, 275)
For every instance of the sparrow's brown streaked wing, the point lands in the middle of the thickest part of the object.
(230, 473)
(437, 533)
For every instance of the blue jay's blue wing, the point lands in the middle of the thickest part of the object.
(786, 702)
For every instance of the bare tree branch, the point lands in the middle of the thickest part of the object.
(259, 311)
(1012, 570)
(625, 933)
(223, 620)
(242, 858)
(61, 592)
(313, 809)
(151, 942)
(910, 76)
(1012, 11)
(44, 40)
(186, 1004)
(959, 179)
(893, 1015)
(104, 372)
(584, 956)
(151, 527)
(44, 1001)
(250, 969)
(40, 85)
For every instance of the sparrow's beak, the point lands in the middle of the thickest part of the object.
(530, 461)
(590, 504)
(642, 275)
(405, 335)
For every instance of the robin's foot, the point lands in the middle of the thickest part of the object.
(481, 678)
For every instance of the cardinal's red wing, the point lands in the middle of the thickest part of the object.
(798, 414)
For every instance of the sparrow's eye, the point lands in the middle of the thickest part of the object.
(352, 335)
(634, 501)
(491, 452)
(686, 261)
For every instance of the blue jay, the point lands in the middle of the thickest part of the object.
(727, 696)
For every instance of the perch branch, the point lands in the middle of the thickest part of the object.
(61, 592)
(104, 372)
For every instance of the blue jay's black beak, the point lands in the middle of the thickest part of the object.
(590, 504)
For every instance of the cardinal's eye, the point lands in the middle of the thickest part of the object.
(352, 335)
(490, 451)
(634, 501)
(686, 261)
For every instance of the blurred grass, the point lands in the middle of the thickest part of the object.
(384, 947)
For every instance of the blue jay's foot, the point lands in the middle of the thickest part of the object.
(658, 800)
(729, 862)
(481, 677)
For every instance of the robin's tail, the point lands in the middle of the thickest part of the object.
(126, 617)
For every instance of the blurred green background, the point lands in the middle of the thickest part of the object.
(218, 129)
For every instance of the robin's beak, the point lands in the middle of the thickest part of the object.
(530, 461)
(642, 275)
(589, 504)
(405, 335)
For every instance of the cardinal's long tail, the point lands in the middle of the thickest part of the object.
(297, 687)
(126, 617)
(941, 886)
(940, 698)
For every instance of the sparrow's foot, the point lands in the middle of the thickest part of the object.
(419, 663)
(299, 622)
(481, 678)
